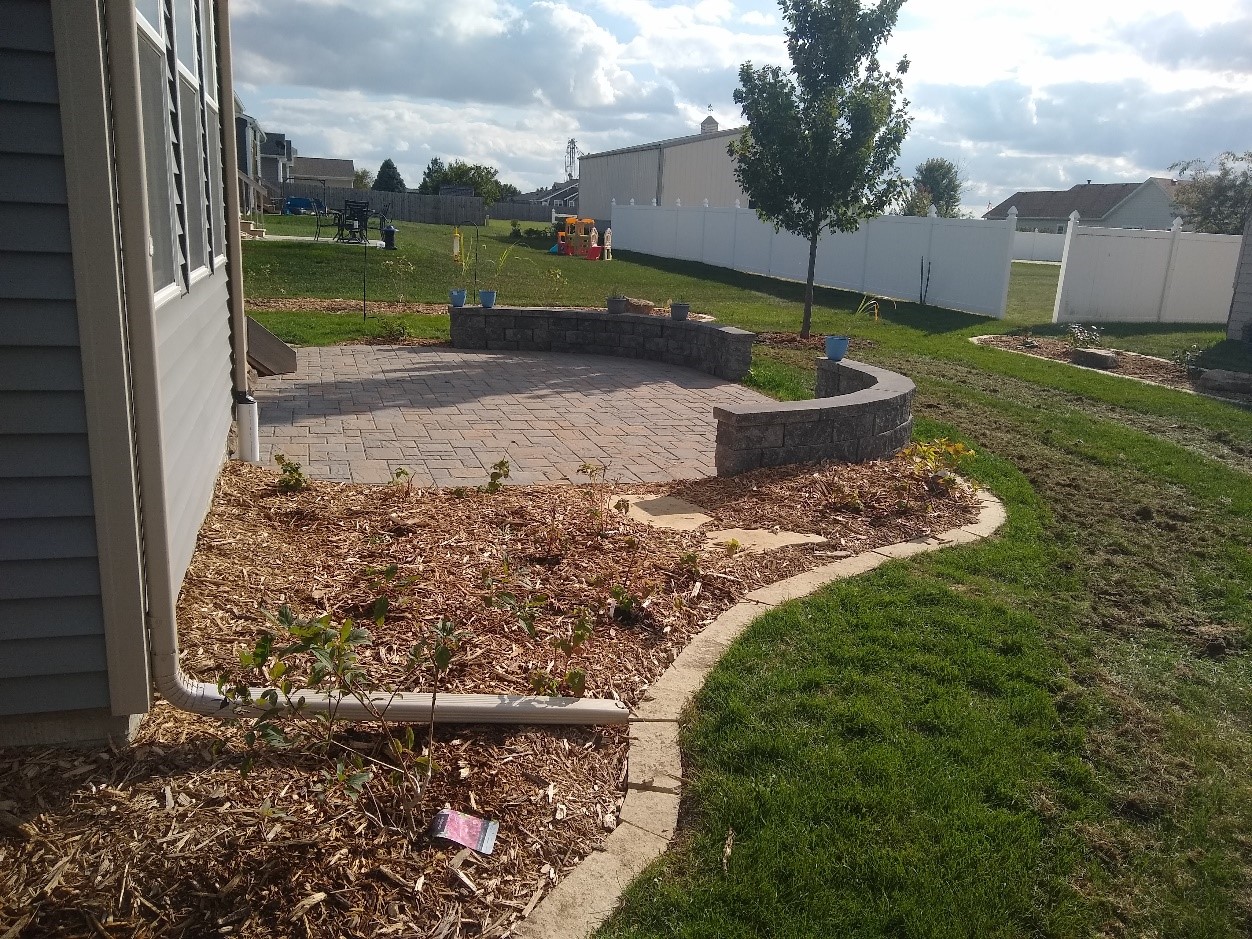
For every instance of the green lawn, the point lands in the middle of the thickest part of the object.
(1046, 734)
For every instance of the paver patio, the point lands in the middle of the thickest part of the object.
(358, 413)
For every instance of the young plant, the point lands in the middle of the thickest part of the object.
(495, 480)
(870, 306)
(936, 461)
(402, 479)
(292, 478)
(572, 679)
(1082, 337)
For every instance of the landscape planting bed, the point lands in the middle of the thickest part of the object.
(168, 837)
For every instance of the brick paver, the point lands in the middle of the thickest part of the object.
(357, 413)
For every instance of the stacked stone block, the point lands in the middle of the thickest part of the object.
(860, 413)
(718, 350)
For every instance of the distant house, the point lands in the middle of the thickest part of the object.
(687, 169)
(331, 172)
(121, 334)
(1149, 204)
(248, 140)
(278, 157)
(1239, 326)
(560, 195)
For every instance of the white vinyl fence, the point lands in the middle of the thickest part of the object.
(1038, 246)
(1123, 275)
(960, 264)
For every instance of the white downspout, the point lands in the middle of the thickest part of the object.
(162, 586)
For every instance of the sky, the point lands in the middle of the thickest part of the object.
(1020, 95)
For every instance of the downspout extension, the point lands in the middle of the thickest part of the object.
(162, 584)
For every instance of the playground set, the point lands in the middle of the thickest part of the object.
(579, 238)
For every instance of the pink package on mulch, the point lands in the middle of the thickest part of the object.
(476, 833)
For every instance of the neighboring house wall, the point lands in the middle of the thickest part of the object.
(1050, 225)
(1239, 324)
(699, 170)
(52, 645)
(1149, 208)
(620, 176)
(690, 169)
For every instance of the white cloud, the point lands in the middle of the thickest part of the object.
(1022, 94)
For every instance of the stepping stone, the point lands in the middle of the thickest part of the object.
(1094, 358)
(666, 512)
(760, 540)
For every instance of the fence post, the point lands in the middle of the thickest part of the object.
(1175, 232)
(1070, 230)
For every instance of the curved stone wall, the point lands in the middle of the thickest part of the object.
(860, 413)
(718, 350)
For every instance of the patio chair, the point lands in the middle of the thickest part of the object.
(327, 219)
(354, 221)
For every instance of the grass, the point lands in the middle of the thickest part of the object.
(1046, 734)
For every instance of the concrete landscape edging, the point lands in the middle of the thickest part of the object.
(580, 903)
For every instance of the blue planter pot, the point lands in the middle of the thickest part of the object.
(457, 297)
(836, 347)
(487, 298)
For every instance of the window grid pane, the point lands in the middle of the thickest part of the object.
(195, 185)
(217, 208)
(155, 114)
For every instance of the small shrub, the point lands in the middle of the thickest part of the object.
(1188, 358)
(393, 330)
(292, 478)
(935, 461)
(499, 473)
(1082, 337)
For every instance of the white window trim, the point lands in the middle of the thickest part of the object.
(152, 32)
(166, 294)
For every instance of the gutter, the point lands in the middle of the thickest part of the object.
(162, 584)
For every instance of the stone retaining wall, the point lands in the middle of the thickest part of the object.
(718, 350)
(860, 413)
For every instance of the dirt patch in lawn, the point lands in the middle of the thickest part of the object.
(1132, 364)
(169, 838)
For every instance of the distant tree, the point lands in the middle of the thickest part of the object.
(917, 200)
(482, 179)
(362, 179)
(1215, 196)
(388, 178)
(432, 178)
(942, 180)
(509, 191)
(819, 152)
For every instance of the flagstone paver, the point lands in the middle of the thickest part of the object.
(358, 413)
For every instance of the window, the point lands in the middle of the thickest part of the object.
(182, 137)
(155, 114)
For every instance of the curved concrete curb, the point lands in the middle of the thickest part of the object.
(649, 816)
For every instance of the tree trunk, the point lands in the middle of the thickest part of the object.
(808, 287)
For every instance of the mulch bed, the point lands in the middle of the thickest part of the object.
(169, 838)
(1145, 367)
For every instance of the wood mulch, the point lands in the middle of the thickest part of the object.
(1132, 364)
(815, 344)
(169, 838)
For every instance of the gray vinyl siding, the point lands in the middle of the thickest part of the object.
(1148, 207)
(1240, 326)
(52, 649)
(194, 358)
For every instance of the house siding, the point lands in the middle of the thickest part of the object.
(52, 647)
(194, 359)
(620, 176)
(699, 170)
(1149, 207)
(1240, 323)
